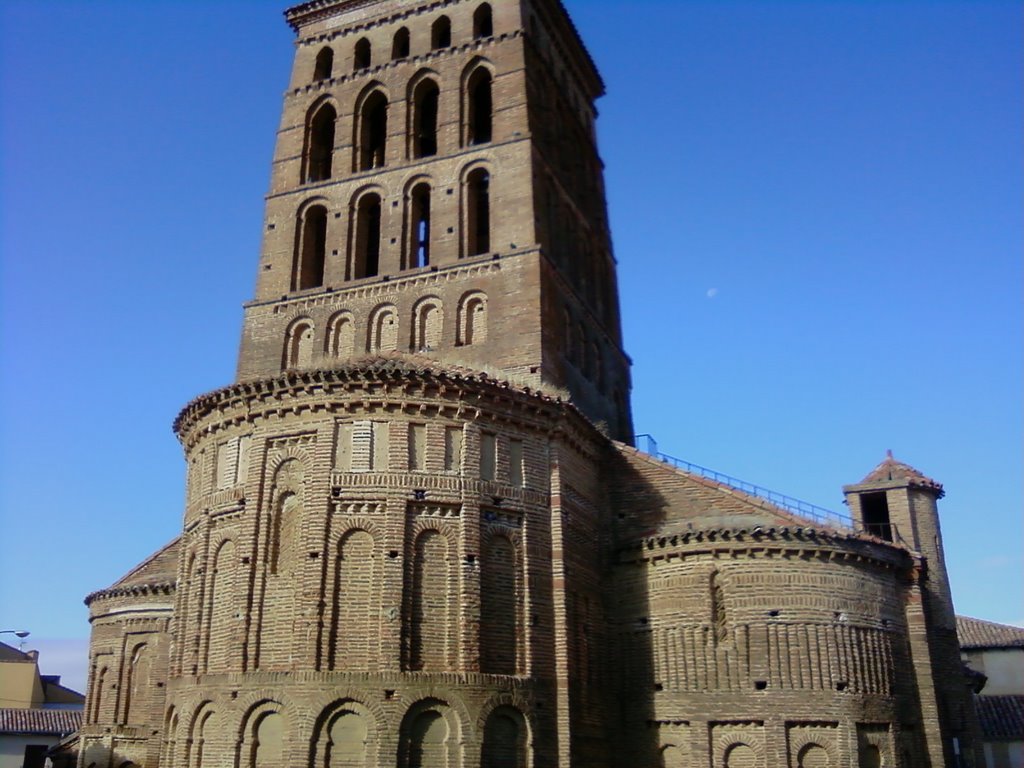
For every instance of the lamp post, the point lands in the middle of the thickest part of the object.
(21, 634)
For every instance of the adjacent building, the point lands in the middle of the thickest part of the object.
(36, 711)
(996, 652)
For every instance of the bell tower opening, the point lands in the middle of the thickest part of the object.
(875, 509)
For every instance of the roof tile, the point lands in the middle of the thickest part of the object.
(55, 722)
(1001, 717)
(975, 633)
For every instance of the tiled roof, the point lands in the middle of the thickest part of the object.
(160, 567)
(1001, 717)
(975, 633)
(56, 722)
(891, 469)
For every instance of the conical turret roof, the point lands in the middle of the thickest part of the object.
(890, 469)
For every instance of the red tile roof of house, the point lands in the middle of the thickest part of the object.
(1001, 717)
(56, 722)
(975, 633)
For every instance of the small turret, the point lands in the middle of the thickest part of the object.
(898, 503)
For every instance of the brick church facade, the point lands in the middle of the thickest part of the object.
(415, 533)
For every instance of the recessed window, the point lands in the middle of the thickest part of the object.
(362, 54)
(483, 22)
(419, 227)
(478, 212)
(479, 109)
(425, 106)
(324, 64)
(875, 510)
(373, 131)
(311, 249)
(400, 45)
(441, 34)
(320, 143)
(367, 239)
(488, 455)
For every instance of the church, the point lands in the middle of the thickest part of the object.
(416, 531)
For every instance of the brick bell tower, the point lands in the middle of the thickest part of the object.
(437, 190)
(392, 542)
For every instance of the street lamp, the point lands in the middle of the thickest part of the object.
(22, 633)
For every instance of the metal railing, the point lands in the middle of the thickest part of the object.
(798, 507)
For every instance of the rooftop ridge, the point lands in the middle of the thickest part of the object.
(804, 510)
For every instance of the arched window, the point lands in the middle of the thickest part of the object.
(383, 332)
(361, 59)
(311, 249)
(871, 757)
(98, 690)
(672, 757)
(345, 738)
(138, 685)
(813, 756)
(479, 107)
(741, 756)
(285, 527)
(341, 336)
(428, 320)
(267, 742)
(366, 261)
(320, 143)
(483, 22)
(472, 319)
(504, 739)
(372, 132)
(499, 609)
(298, 345)
(352, 607)
(222, 609)
(324, 64)
(428, 736)
(441, 33)
(430, 613)
(424, 118)
(204, 727)
(478, 212)
(719, 618)
(418, 246)
(170, 737)
(400, 45)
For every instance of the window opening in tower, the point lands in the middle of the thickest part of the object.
(324, 64)
(374, 130)
(478, 215)
(441, 34)
(875, 508)
(321, 144)
(480, 107)
(483, 22)
(312, 249)
(400, 44)
(361, 58)
(420, 251)
(367, 262)
(425, 129)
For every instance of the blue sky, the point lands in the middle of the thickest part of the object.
(816, 209)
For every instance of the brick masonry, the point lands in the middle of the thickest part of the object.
(411, 536)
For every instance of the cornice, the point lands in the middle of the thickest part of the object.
(401, 377)
(762, 540)
(160, 588)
